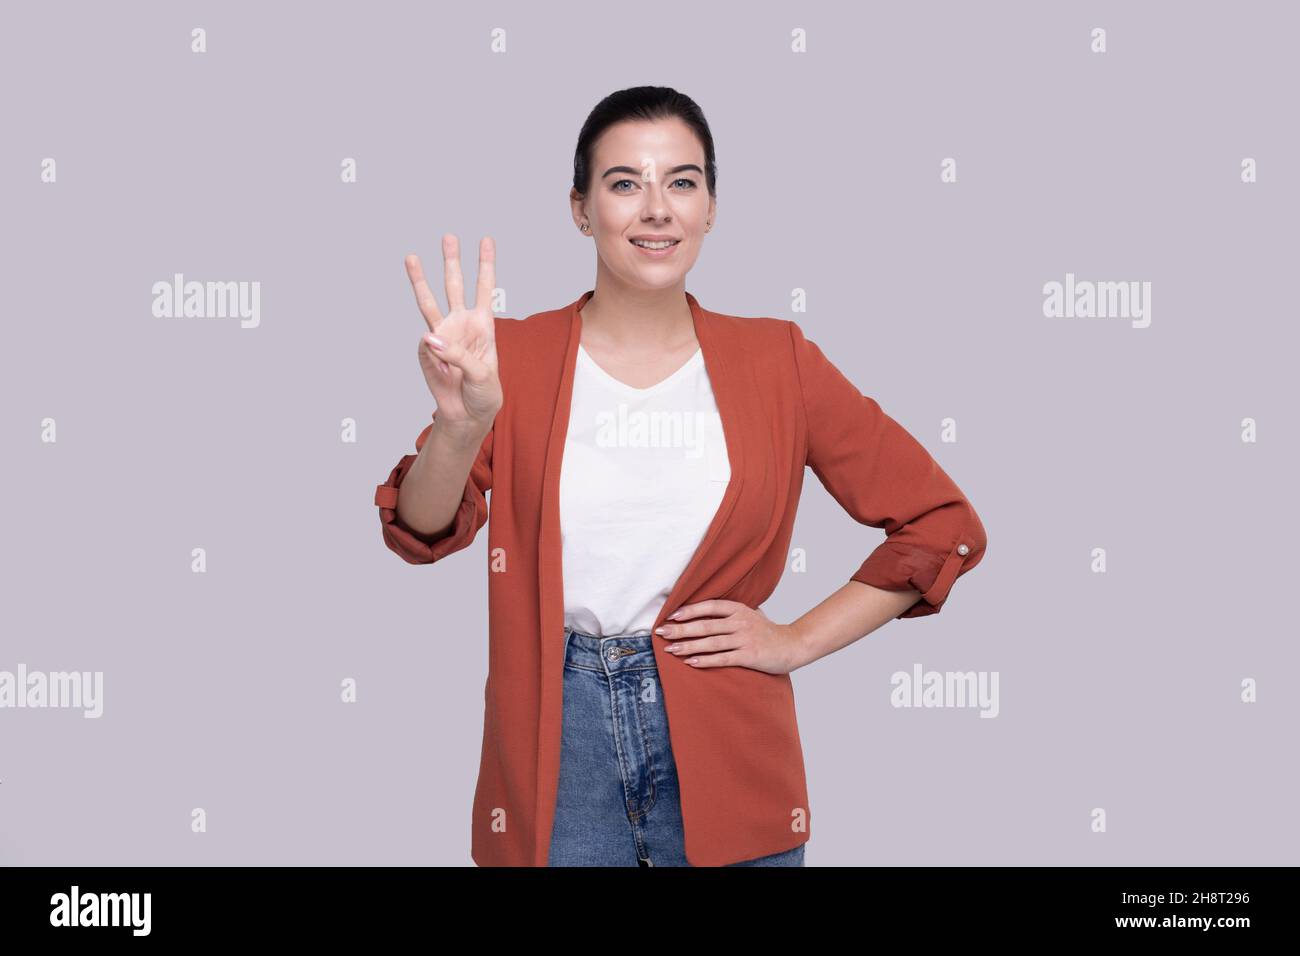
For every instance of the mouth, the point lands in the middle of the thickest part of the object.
(655, 249)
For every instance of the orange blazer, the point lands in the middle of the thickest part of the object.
(733, 730)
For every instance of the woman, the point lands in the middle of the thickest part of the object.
(645, 457)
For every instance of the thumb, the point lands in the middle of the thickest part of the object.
(471, 366)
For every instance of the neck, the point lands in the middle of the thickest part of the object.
(622, 317)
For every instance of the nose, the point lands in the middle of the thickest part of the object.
(656, 206)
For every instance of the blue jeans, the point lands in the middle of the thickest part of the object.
(618, 802)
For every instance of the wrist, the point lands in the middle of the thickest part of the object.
(464, 435)
(800, 645)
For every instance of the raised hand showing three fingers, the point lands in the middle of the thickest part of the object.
(462, 371)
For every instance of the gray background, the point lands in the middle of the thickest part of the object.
(1118, 691)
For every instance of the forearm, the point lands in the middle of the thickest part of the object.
(431, 492)
(852, 612)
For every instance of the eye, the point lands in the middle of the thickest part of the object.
(690, 183)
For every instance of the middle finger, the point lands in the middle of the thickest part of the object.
(487, 273)
(451, 276)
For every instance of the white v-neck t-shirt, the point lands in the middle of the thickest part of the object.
(643, 474)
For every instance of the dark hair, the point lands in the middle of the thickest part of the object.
(642, 103)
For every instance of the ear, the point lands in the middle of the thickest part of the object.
(576, 202)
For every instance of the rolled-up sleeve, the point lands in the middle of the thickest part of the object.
(882, 476)
(471, 515)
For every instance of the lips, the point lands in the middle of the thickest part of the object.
(664, 252)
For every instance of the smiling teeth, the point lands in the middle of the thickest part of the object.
(654, 245)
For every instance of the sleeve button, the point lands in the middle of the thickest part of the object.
(963, 550)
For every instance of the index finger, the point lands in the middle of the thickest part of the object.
(423, 294)
(714, 606)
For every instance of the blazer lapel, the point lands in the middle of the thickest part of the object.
(719, 363)
(727, 392)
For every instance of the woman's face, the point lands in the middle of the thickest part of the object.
(647, 180)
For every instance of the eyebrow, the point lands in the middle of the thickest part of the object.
(637, 172)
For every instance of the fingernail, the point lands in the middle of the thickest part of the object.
(661, 630)
(436, 342)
